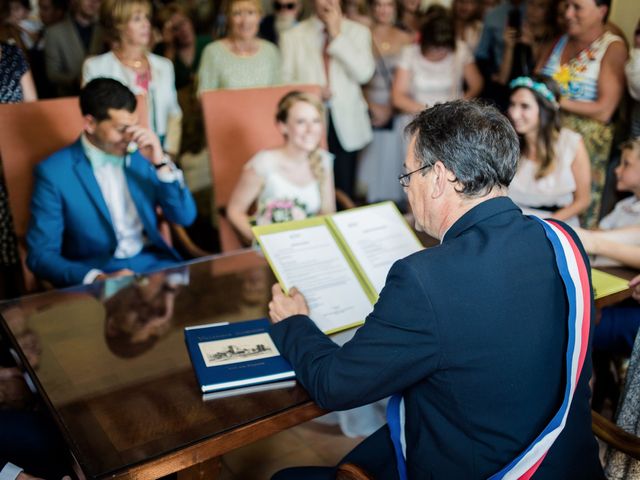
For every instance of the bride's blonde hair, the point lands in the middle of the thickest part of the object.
(284, 105)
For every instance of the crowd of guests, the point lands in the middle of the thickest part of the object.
(556, 68)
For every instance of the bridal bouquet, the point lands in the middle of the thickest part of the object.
(281, 210)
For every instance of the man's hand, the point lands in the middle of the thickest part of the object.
(148, 142)
(634, 284)
(331, 15)
(118, 273)
(284, 306)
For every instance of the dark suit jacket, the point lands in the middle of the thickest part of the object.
(65, 53)
(70, 230)
(473, 332)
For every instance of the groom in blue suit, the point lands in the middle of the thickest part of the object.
(93, 210)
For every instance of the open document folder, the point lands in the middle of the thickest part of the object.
(605, 284)
(338, 262)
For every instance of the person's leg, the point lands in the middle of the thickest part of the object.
(374, 454)
(344, 163)
(617, 330)
(31, 441)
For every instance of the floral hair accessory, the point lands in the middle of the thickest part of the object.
(538, 87)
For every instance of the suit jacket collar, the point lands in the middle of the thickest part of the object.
(83, 169)
(479, 213)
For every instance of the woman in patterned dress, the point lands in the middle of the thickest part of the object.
(588, 65)
(16, 85)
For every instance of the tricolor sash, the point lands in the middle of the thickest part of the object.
(575, 277)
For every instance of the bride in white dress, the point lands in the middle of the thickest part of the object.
(293, 181)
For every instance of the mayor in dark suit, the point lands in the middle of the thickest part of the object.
(472, 333)
(93, 209)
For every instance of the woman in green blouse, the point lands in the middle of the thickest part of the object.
(241, 59)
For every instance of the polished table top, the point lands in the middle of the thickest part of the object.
(111, 362)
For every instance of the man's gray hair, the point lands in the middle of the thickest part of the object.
(474, 141)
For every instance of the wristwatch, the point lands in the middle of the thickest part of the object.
(165, 161)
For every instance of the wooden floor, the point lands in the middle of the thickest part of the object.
(311, 443)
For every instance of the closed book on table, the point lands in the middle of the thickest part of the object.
(226, 356)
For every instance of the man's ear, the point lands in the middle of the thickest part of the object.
(89, 124)
(439, 178)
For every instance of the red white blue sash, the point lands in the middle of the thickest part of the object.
(575, 276)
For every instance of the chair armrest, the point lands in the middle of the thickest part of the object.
(344, 201)
(616, 437)
(351, 471)
(181, 235)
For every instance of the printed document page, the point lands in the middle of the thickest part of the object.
(377, 236)
(310, 259)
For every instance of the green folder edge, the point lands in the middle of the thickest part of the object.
(608, 283)
(371, 291)
(327, 221)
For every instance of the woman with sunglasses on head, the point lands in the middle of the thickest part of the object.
(553, 177)
(285, 15)
(240, 59)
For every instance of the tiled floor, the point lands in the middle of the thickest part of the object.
(308, 444)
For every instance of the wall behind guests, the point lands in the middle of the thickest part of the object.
(625, 14)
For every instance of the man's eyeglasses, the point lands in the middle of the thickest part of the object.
(406, 178)
(284, 6)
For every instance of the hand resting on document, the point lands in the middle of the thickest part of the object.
(284, 306)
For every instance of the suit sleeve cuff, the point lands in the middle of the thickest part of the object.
(90, 277)
(10, 472)
(170, 173)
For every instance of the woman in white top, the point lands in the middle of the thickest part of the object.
(554, 175)
(293, 181)
(129, 61)
(434, 71)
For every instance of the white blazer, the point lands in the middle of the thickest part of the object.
(351, 65)
(164, 111)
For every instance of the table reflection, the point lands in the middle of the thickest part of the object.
(111, 362)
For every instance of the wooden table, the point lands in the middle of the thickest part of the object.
(111, 364)
(622, 272)
(109, 360)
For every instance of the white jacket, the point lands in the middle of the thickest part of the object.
(351, 65)
(162, 102)
(632, 70)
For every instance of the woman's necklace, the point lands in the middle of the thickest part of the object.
(246, 50)
(136, 64)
